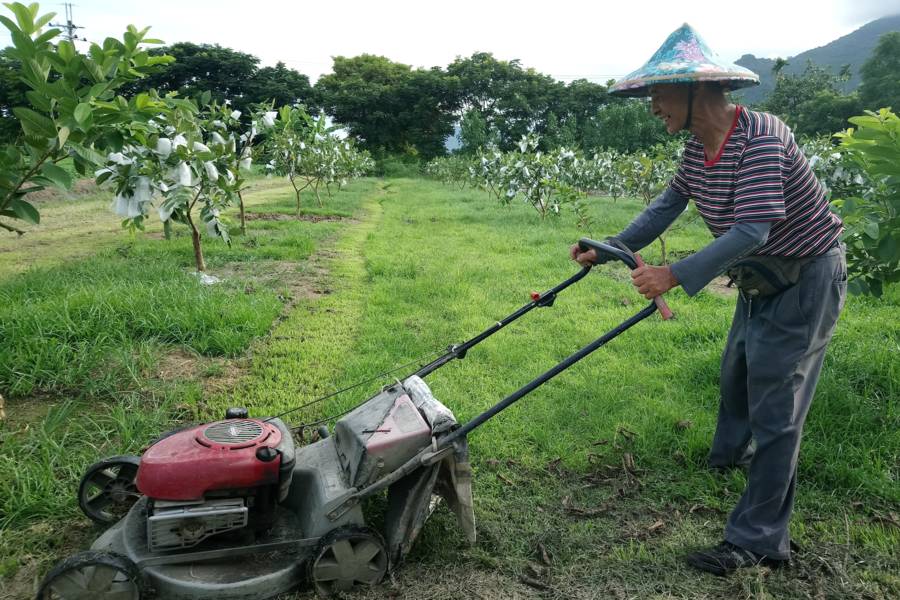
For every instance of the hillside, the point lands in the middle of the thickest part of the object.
(853, 49)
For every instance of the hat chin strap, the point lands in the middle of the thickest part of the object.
(690, 107)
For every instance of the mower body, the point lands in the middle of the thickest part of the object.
(212, 490)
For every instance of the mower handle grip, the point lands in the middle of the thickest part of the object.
(618, 251)
(631, 259)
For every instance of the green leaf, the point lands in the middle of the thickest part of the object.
(23, 16)
(113, 140)
(40, 144)
(876, 288)
(160, 60)
(131, 40)
(9, 24)
(39, 101)
(23, 44)
(34, 123)
(66, 50)
(857, 287)
(59, 176)
(142, 100)
(98, 89)
(40, 22)
(46, 36)
(25, 211)
(63, 136)
(888, 249)
(89, 154)
(82, 113)
(871, 229)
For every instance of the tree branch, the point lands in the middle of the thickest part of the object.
(27, 176)
(10, 228)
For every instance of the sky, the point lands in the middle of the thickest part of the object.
(568, 40)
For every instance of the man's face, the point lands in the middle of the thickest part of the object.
(669, 103)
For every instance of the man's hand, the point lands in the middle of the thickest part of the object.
(652, 281)
(585, 259)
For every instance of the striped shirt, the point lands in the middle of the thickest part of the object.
(760, 175)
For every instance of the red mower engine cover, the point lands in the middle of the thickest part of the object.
(225, 455)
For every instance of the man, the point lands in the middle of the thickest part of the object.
(775, 235)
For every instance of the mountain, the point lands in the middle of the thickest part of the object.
(853, 49)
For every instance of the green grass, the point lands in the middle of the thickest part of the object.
(420, 266)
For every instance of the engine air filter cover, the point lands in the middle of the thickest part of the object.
(237, 433)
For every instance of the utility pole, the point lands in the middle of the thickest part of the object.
(69, 26)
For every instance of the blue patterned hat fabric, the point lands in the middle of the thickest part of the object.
(683, 58)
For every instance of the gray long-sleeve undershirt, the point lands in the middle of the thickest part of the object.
(698, 269)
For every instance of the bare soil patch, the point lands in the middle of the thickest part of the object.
(20, 413)
(720, 287)
(255, 216)
(72, 537)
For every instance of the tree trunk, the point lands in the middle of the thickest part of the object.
(195, 238)
(662, 248)
(318, 198)
(296, 193)
(243, 222)
(167, 229)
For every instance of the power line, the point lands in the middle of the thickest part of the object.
(69, 25)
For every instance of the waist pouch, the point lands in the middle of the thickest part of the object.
(762, 276)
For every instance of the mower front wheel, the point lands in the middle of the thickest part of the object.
(95, 575)
(347, 557)
(108, 489)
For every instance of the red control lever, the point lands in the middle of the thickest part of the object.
(664, 310)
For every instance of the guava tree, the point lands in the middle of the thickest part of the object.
(872, 216)
(60, 120)
(241, 159)
(306, 150)
(286, 143)
(182, 158)
(605, 172)
(647, 173)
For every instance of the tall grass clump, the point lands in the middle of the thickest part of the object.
(88, 325)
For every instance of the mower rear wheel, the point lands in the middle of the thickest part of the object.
(108, 489)
(347, 557)
(92, 575)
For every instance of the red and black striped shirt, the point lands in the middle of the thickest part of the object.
(760, 174)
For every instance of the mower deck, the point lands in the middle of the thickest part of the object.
(238, 573)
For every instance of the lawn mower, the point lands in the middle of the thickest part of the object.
(235, 510)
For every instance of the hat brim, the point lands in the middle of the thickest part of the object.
(640, 87)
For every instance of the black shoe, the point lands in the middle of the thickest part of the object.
(726, 558)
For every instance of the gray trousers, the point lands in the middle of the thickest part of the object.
(770, 367)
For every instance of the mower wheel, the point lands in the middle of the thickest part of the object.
(93, 574)
(347, 557)
(108, 490)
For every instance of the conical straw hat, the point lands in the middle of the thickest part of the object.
(684, 58)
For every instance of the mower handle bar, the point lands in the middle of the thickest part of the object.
(445, 443)
(632, 259)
